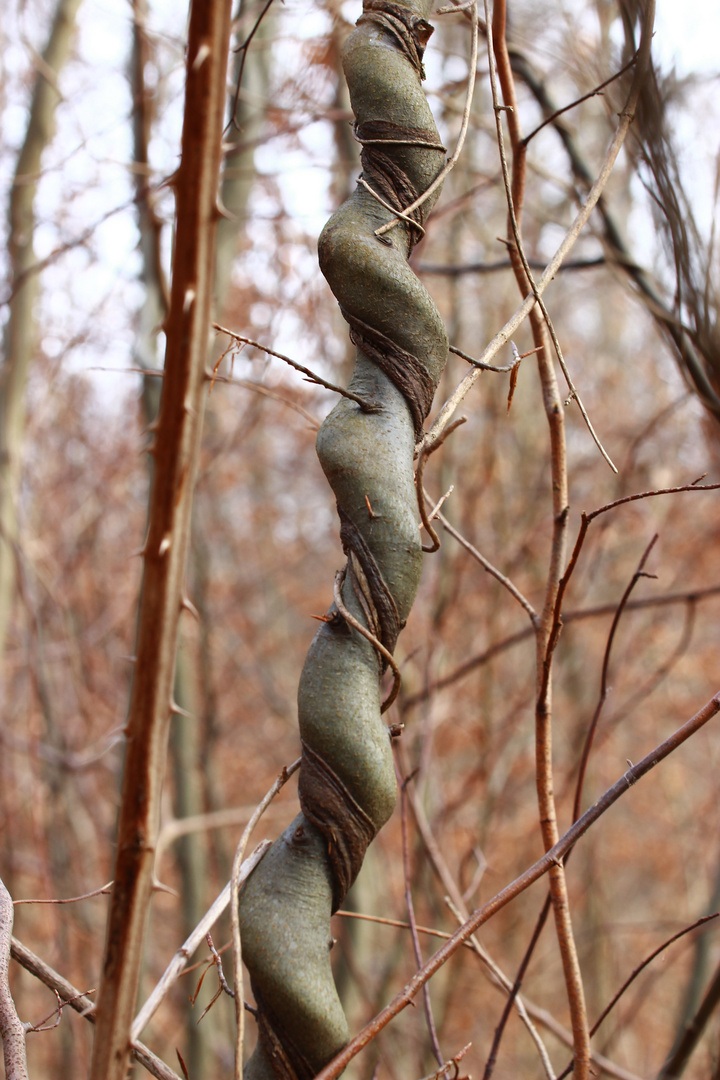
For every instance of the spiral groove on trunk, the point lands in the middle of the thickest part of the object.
(347, 783)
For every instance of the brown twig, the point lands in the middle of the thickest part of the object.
(70, 899)
(578, 101)
(375, 642)
(178, 964)
(596, 190)
(459, 909)
(243, 49)
(680, 1055)
(364, 403)
(598, 611)
(515, 195)
(176, 454)
(545, 910)
(515, 191)
(586, 519)
(432, 1031)
(490, 569)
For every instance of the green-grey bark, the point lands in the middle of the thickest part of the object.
(367, 456)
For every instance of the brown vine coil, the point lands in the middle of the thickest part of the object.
(347, 783)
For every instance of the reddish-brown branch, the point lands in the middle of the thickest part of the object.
(176, 453)
(556, 425)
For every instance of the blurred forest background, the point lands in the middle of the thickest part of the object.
(91, 95)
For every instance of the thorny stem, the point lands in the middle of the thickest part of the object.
(519, 885)
(555, 418)
(176, 452)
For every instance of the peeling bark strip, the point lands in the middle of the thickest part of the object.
(347, 781)
(176, 452)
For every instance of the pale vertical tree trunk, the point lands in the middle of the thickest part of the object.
(176, 451)
(21, 332)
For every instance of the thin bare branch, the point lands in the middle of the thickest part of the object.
(427, 1004)
(504, 335)
(488, 566)
(587, 746)
(519, 885)
(236, 879)
(82, 1004)
(103, 891)
(180, 960)
(364, 404)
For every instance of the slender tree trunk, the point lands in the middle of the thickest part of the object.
(176, 453)
(20, 331)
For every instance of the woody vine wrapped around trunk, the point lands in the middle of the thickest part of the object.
(347, 781)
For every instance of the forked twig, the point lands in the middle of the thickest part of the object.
(82, 1004)
(590, 736)
(520, 250)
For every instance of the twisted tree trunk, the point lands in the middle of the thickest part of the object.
(347, 782)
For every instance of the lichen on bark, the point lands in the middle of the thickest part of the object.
(347, 781)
